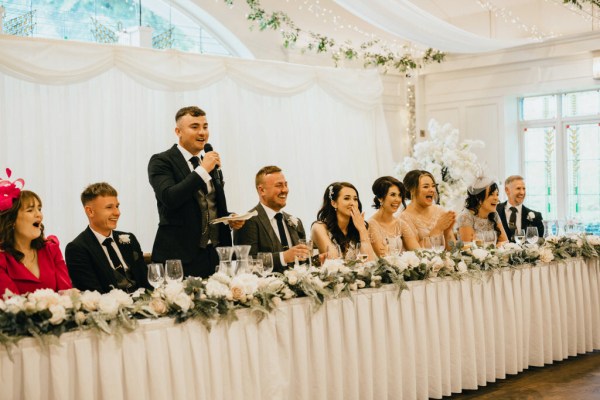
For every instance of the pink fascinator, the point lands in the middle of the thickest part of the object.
(9, 191)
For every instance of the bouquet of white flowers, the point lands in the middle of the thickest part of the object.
(453, 164)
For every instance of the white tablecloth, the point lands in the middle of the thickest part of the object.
(440, 337)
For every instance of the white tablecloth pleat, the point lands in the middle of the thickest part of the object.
(437, 338)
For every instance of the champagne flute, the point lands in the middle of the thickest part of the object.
(267, 262)
(394, 245)
(156, 275)
(519, 236)
(351, 252)
(334, 252)
(532, 234)
(173, 271)
(361, 255)
(426, 243)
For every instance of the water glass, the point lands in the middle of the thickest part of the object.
(173, 271)
(227, 268)
(426, 243)
(267, 262)
(360, 254)
(531, 234)
(255, 266)
(225, 253)
(438, 244)
(489, 239)
(242, 252)
(394, 245)
(309, 244)
(156, 275)
(519, 236)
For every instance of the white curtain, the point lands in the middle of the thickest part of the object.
(404, 19)
(76, 113)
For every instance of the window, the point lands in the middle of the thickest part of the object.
(102, 21)
(561, 155)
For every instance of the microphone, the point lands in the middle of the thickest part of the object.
(218, 175)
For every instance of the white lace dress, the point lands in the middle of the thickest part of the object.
(467, 218)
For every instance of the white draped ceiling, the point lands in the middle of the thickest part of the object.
(407, 21)
(75, 113)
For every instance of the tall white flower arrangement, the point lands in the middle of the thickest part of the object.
(453, 164)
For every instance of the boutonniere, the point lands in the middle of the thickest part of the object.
(124, 239)
(292, 221)
(531, 216)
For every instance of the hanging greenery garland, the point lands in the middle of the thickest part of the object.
(580, 3)
(372, 53)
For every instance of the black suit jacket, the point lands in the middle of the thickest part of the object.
(259, 234)
(90, 269)
(537, 221)
(180, 219)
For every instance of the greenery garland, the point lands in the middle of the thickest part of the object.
(366, 51)
(45, 314)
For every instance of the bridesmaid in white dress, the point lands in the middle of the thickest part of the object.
(423, 216)
(384, 225)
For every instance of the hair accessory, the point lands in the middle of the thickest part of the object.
(480, 184)
(9, 191)
(331, 192)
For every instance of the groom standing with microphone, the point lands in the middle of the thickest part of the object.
(188, 186)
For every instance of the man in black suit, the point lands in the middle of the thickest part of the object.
(188, 185)
(272, 230)
(513, 213)
(101, 258)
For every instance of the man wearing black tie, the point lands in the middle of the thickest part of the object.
(102, 258)
(513, 213)
(272, 230)
(188, 186)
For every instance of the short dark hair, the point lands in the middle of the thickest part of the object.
(97, 189)
(269, 169)
(190, 110)
(382, 185)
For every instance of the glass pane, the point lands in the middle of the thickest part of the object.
(539, 149)
(583, 167)
(539, 107)
(581, 103)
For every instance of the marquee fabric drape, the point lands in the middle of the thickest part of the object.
(440, 337)
(404, 19)
(74, 113)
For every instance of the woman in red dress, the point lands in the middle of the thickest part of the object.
(28, 261)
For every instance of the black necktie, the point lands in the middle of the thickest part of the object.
(281, 229)
(512, 220)
(195, 161)
(113, 255)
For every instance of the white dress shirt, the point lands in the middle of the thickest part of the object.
(199, 170)
(508, 212)
(271, 215)
(101, 238)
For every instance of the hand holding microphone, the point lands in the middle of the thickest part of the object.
(213, 163)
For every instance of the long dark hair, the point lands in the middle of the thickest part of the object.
(380, 189)
(328, 215)
(474, 201)
(8, 219)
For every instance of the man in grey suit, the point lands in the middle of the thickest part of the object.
(272, 230)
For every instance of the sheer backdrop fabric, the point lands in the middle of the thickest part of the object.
(75, 113)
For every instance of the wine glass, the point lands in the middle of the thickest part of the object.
(519, 236)
(394, 245)
(438, 244)
(267, 262)
(426, 243)
(256, 266)
(334, 252)
(173, 271)
(531, 234)
(156, 275)
(351, 251)
(489, 239)
(226, 267)
(360, 254)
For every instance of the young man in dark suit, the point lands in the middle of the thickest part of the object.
(188, 186)
(273, 230)
(102, 258)
(513, 214)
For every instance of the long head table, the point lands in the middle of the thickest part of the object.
(438, 338)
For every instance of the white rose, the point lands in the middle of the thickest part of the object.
(121, 297)
(221, 278)
(594, 240)
(90, 299)
(58, 314)
(108, 305)
(124, 239)
(2, 305)
(531, 216)
(288, 293)
(546, 254)
(462, 267)
(511, 246)
(79, 317)
(410, 258)
(353, 286)
(361, 284)
(276, 301)
(271, 284)
(480, 254)
(333, 266)
(248, 283)
(552, 239)
(184, 301)
(172, 290)
(215, 288)
(30, 307)
(292, 276)
(14, 304)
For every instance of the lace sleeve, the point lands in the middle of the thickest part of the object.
(466, 218)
